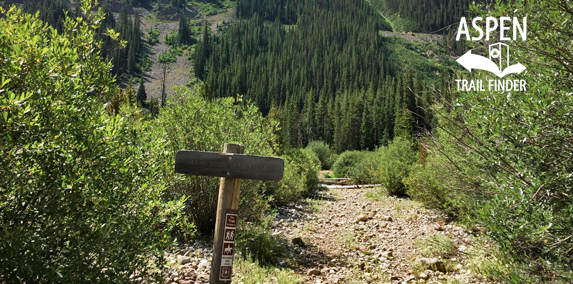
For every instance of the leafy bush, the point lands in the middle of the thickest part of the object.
(167, 57)
(300, 177)
(395, 162)
(432, 184)
(80, 192)
(208, 125)
(152, 37)
(254, 239)
(513, 152)
(365, 171)
(171, 38)
(322, 151)
(346, 162)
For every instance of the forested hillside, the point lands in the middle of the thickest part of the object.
(324, 68)
(127, 56)
(421, 15)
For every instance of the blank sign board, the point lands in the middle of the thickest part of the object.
(229, 165)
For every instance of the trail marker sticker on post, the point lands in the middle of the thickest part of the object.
(228, 245)
(231, 166)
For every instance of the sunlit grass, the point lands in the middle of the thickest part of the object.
(251, 272)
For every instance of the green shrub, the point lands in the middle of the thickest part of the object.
(171, 38)
(152, 37)
(300, 177)
(208, 125)
(432, 184)
(80, 192)
(322, 151)
(254, 239)
(395, 161)
(346, 162)
(167, 57)
(364, 172)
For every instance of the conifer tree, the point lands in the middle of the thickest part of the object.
(141, 94)
(184, 35)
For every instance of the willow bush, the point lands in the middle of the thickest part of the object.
(80, 200)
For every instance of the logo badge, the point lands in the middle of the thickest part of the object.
(497, 63)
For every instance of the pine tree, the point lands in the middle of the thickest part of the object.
(201, 54)
(141, 94)
(184, 34)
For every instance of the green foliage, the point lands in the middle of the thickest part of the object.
(322, 152)
(365, 171)
(300, 177)
(152, 37)
(141, 93)
(432, 183)
(510, 151)
(80, 193)
(395, 162)
(213, 7)
(254, 239)
(145, 63)
(346, 163)
(437, 245)
(171, 38)
(167, 57)
(252, 272)
(210, 124)
(421, 15)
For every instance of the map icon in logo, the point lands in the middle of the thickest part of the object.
(497, 63)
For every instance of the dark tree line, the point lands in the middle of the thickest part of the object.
(327, 74)
(126, 60)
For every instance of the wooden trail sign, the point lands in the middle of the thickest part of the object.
(231, 166)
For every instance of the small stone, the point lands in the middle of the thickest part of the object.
(313, 271)
(362, 218)
(183, 259)
(422, 275)
(362, 265)
(434, 264)
(387, 218)
(298, 241)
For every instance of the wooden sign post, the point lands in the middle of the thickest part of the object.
(231, 166)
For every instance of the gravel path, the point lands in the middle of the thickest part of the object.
(352, 235)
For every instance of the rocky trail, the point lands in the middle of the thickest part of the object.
(351, 234)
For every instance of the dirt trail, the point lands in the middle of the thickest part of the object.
(347, 237)
(351, 234)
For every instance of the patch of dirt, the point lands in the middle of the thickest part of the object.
(417, 37)
(218, 19)
(354, 239)
(178, 73)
